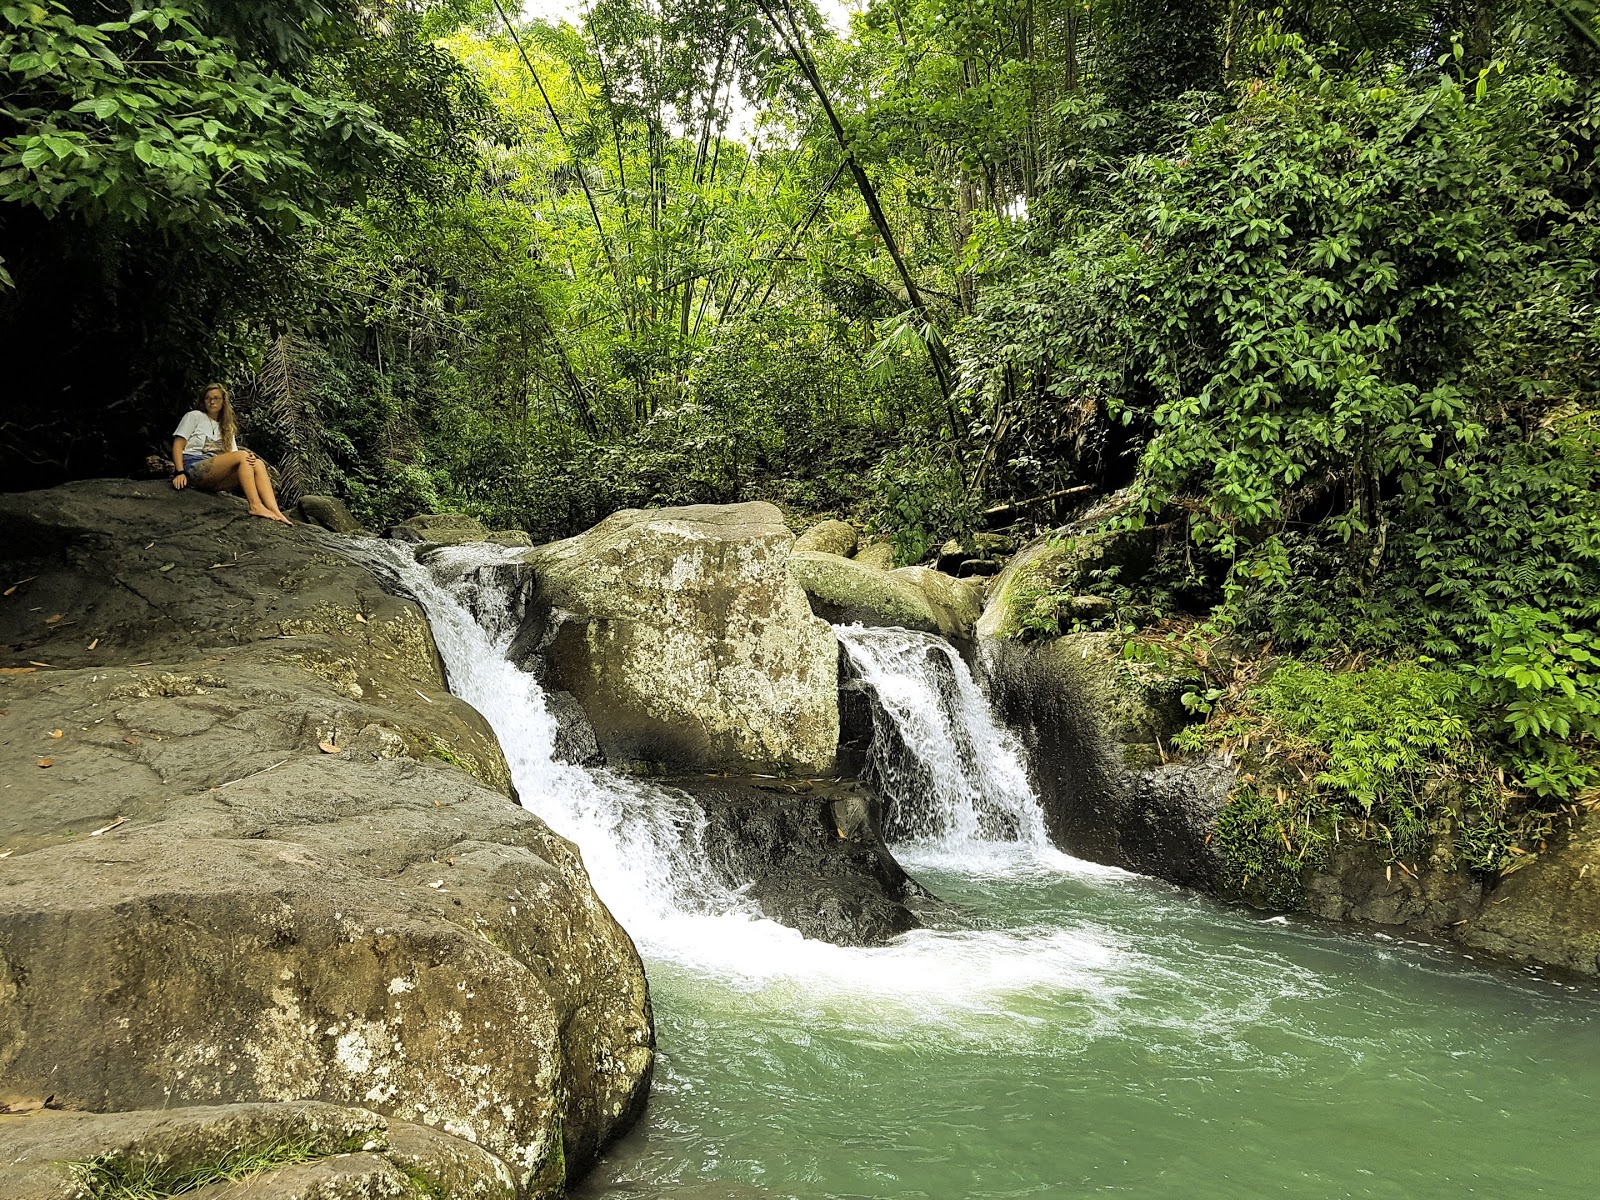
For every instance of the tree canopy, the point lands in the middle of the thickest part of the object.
(1307, 291)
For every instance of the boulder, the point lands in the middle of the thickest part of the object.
(259, 853)
(829, 537)
(510, 537)
(1038, 569)
(1096, 729)
(1548, 911)
(686, 641)
(285, 1151)
(575, 740)
(1044, 582)
(330, 513)
(809, 854)
(440, 529)
(956, 603)
(844, 591)
(877, 555)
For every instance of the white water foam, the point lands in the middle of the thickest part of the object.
(953, 778)
(640, 843)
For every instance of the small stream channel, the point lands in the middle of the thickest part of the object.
(1069, 1029)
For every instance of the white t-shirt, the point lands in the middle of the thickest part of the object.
(201, 434)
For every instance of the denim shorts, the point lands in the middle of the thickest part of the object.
(194, 465)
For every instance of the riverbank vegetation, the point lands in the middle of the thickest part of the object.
(1308, 290)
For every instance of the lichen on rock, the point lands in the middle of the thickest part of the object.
(292, 894)
(682, 635)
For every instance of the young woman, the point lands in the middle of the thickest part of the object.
(205, 450)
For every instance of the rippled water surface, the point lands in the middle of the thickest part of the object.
(1109, 1034)
(1068, 1030)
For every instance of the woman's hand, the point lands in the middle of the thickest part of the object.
(180, 480)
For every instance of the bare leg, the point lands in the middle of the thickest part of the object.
(269, 498)
(231, 470)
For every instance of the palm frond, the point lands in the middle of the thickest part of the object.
(283, 401)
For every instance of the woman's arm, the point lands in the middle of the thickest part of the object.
(180, 480)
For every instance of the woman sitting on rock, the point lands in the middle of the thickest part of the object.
(205, 450)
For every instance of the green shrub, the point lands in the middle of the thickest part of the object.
(1388, 756)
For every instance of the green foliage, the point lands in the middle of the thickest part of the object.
(154, 118)
(1348, 323)
(1267, 844)
(1542, 678)
(1387, 756)
(920, 501)
(114, 1177)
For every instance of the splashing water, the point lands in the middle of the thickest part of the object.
(641, 843)
(953, 780)
(1081, 1030)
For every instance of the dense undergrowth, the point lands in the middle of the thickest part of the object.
(1352, 316)
(1312, 290)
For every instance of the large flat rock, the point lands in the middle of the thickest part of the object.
(315, 884)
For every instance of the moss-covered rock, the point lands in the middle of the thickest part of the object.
(844, 591)
(686, 640)
(877, 555)
(297, 1150)
(330, 513)
(956, 603)
(1035, 590)
(828, 537)
(440, 529)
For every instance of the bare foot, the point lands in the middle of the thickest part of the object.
(279, 516)
(259, 510)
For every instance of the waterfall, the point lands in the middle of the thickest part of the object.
(952, 778)
(641, 843)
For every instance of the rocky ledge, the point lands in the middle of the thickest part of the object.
(252, 851)
(808, 852)
(1098, 730)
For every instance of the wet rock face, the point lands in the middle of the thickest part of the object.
(1549, 911)
(809, 854)
(686, 642)
(1094, 737)
(1355, 885)
(319, 887)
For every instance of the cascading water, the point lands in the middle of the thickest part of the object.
(1074, 1029)
(641, 843)
(952, 778)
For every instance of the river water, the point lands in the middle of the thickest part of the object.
(1068, 1029)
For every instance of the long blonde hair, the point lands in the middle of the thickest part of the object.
(225, 419)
